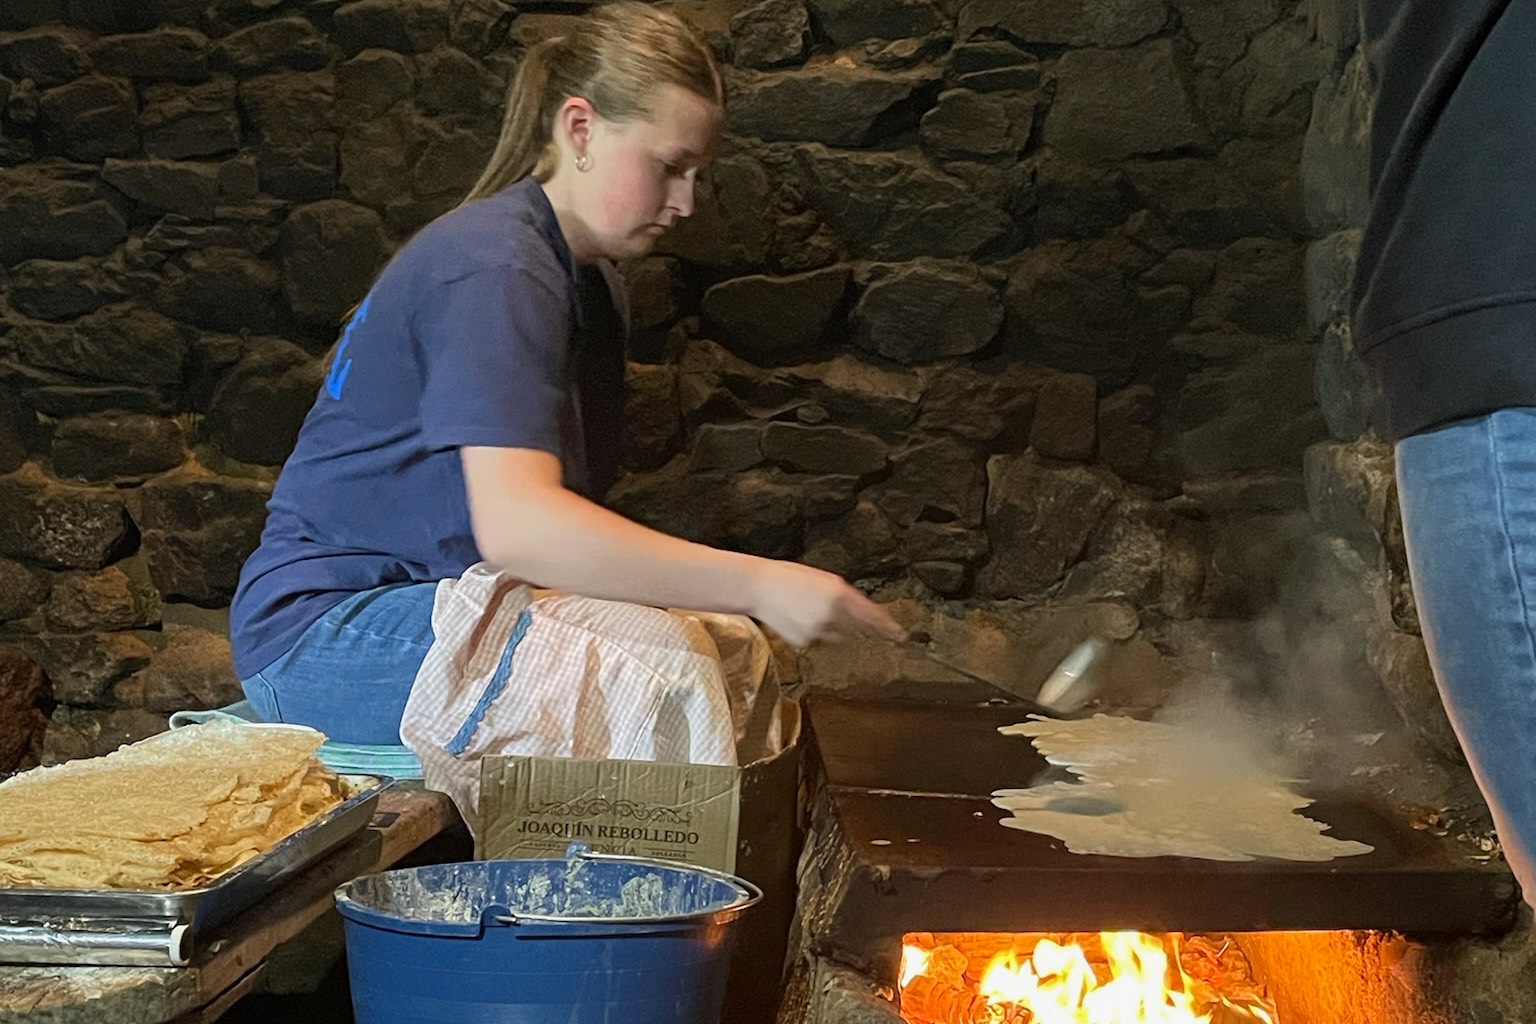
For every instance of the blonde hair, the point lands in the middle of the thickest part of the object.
(616, 58)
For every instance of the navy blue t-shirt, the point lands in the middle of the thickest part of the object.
(481, 331)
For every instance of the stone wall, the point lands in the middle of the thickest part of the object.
(995, 302)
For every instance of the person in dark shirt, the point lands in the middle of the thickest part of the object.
(471, 407)
(1445, 316)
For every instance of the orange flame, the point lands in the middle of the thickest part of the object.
(914, 961)
(1138, 982)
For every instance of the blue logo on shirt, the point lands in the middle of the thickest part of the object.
(336, 379)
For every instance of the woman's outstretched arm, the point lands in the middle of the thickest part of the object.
(529, 524)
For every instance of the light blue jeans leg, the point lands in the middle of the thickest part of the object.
(1468, 497)
(350, 673)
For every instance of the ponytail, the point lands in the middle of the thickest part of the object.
(525, 146)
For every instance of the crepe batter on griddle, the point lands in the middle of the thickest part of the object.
(1155, 790)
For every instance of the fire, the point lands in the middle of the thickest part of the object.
(1109, 978)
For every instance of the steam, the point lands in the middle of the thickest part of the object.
(1291, 689)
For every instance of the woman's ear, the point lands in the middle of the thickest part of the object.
(573, 125)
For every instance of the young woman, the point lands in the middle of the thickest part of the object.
(471, 407)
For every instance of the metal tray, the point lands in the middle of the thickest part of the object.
(160, 926)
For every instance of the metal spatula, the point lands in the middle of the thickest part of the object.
(1074, 682)
(1069, 686)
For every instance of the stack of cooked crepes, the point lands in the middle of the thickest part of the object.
(169, 812)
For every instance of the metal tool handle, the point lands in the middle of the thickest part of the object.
(32, 943)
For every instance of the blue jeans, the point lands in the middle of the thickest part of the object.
(1468, 497)
(350, 673)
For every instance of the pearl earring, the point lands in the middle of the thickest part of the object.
(583, 162)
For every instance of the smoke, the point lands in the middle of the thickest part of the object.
(1290, 687)
(1317, 636)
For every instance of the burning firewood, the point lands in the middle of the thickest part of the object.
(1005, 978)
(928, 1000)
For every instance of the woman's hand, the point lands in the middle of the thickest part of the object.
(802, 604)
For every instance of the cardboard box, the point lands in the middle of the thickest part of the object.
(745, 820)
(712, 816)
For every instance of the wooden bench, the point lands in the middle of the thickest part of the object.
(232, 961)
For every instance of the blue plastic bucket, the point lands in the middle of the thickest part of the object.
(592, 939)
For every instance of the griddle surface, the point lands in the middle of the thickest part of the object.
(911, 783)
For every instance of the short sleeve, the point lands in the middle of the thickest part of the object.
(496, 348)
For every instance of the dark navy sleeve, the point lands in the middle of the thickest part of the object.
(496, 347)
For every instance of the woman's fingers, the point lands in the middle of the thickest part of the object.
(803, 604)
(869, 617)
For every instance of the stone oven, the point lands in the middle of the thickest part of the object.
(905, 865)
(1028, 315)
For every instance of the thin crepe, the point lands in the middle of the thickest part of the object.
(1155, 790)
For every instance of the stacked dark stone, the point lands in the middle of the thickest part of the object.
(992, 301)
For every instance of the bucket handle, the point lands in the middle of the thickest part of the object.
(500, 915)
(513, 918)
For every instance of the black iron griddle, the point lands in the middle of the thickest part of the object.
(906, 817)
